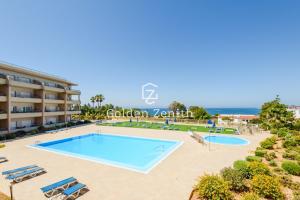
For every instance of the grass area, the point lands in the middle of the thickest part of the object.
(174, 127)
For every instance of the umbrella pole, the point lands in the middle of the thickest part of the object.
(11, 192)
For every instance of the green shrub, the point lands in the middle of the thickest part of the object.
(20, 133)
(250, 196)
(258, 168)
(253, 158)
(10, 136)
(286, 180)
(272, 163)
(278, 170)
(268, 143)
(296, 195)
(212, 187)
(235, 179)
(291, 141)
(242, 166)
(260, 148)
(291, 167)
(34, 132)
(282, 132)
(260, 153)
(274, 131)
(295, 186)
(270, 156)
(291, 155)
(267, 187)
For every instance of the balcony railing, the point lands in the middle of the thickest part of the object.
(26, 80)
(56, 122)
(54, 110)
(2, 76)
(53, 98)
(3, 129)
(25, 96)
(27, 126)
(25, 111)
(54, 85)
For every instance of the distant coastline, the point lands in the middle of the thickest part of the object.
(213, 111)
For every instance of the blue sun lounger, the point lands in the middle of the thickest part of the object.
(18, 177)
(58, 187)
(74, 191)
(9, 172)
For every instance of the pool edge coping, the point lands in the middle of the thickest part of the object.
(232, 145)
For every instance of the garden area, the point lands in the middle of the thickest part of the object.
(271, 172)
(173, 127)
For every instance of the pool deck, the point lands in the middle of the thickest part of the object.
(172, 179)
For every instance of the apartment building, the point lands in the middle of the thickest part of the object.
(29, 99)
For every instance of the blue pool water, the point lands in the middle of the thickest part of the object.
(139, 154)
(218, 139)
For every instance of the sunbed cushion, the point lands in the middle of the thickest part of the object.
(58, 184)
(74, 189)
(18, 169)
(24, 173)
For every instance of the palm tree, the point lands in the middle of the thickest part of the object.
(93, 100)
(99, 99)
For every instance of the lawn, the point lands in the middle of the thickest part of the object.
(174, 127)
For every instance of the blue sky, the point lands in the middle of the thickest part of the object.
(210, 53)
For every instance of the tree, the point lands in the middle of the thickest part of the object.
(99, 99)
(177, 106)
(274, 114)
(199, 113)
(93, 99)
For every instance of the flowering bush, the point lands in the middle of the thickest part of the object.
(213, 187)
(267, 187)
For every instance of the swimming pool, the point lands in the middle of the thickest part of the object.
(227, 140)
(133, 153)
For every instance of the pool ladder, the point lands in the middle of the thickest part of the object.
(160, 148)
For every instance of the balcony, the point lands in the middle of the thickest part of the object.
(54, 112)
(25, 128)
(73, 111)
(3, 131)
(57, 123)
(73, 101)
(3, 115)
(3, 79)
(54, 100)
(25, 114)
(25, 82)
(54, 87)
(75, 92)
(25, 98)
(3, 97)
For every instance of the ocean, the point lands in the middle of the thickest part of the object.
(212, 111)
